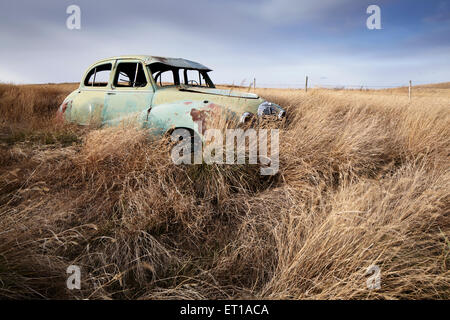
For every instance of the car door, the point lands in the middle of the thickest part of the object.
(88, 103)
(130, 94)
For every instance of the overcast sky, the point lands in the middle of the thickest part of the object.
(276, 41)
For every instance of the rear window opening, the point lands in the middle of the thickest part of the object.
(98, 76)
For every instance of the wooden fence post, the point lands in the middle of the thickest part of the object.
(306, 84)
(254, 83)
(409, 90)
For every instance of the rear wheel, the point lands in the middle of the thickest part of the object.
(176, 136)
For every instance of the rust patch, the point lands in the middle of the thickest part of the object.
(200, 115)
(205, 115)
(60, 113)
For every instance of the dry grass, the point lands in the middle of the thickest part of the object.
(364, 179)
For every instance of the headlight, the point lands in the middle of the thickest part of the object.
(268, 108)
(245, 117)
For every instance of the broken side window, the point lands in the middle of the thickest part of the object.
(130, 75)
(167, 78)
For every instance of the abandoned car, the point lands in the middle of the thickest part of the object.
(161, 93)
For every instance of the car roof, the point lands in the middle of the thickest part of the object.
(174, 62)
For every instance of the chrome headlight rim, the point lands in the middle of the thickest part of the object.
(267, 108)
(245, 117)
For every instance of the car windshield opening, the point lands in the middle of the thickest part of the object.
(166, 75)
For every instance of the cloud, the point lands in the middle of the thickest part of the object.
(295, 11)
(277, 42)
(313, 15)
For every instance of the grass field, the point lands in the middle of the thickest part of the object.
(364, 179)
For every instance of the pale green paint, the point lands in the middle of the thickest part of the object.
(170, 106)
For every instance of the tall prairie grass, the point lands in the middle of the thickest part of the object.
(364, 180)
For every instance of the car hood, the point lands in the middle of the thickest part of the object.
(220, 92)
(235, 101)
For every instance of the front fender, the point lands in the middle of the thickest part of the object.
(183, 114)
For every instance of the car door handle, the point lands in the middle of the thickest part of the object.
(111, 93)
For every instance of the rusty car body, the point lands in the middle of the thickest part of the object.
(161, 93)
